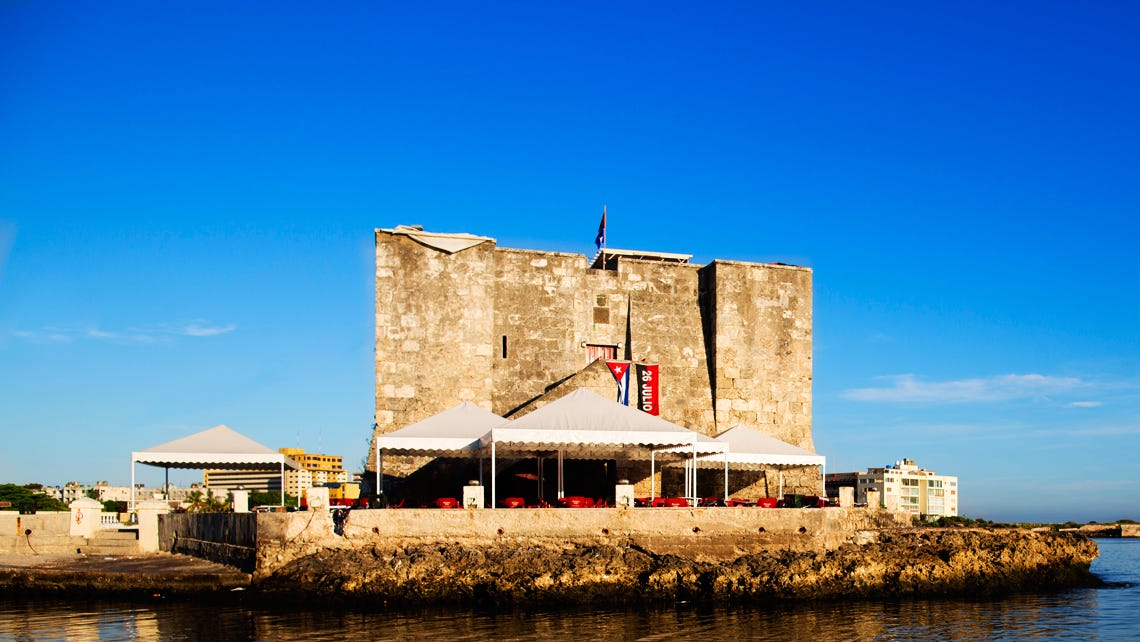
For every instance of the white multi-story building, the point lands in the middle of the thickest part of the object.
(313, 470)
(903, 487)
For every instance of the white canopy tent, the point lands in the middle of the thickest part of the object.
(217, 447)
(750, 449)
(585, 423)
(455, 432)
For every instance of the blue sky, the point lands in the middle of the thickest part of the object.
(188, 193)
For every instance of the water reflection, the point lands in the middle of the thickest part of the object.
(1071, 615)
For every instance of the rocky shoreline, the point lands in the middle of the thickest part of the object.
(886, 563)
(548, 572)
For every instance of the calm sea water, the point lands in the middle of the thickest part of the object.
(1084, 614)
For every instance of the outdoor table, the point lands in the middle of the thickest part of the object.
(514, 502)
(767, 502)
(447, 502)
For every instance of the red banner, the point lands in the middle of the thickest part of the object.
(648, 378)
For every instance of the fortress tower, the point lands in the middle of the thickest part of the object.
(460, 319)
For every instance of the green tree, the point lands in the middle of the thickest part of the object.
(114, 506)
(25, 498)
(270, 498)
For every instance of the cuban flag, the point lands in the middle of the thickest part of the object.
(600, 239)
(620, 371)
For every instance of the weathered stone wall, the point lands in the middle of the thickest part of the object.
(763, 349)
(666, 328)
(542, 314)
(434, 321)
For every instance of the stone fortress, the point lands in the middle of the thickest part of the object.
(460, 319)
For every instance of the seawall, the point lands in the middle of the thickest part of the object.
(560, 556)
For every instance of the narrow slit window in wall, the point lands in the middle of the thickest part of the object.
(504, 346)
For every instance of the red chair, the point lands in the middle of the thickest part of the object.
(576, 501)
(767, 502)
(446, 502)
(513, 502)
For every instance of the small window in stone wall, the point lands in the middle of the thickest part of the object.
(504, 346)
(594, 351)
(601, 315)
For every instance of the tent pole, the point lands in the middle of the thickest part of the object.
(694, 473)
(494, 480)
(539, 466)
(480, 468)
(379, 470)
(282, 480)
(780, 493)
(561, 479)
(132, 484)
(652, 476)
(166, 486)
(726, 477)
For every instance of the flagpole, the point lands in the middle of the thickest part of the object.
(605, 233)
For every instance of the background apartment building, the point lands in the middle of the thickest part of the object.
(903, 487)
(313, 469)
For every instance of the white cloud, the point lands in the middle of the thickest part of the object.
(43, 336)
(147, 334)
(204, 329)
(908, 388)
(1084, 404)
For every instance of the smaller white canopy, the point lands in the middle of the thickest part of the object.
(455, 432)
(217, 447)
(584, 420)
(750, 448)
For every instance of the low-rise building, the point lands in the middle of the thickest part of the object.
(313, 469)
(903, 487)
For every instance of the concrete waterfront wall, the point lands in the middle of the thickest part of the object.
(710, 533)
(49, 533)
(55, 533)
(227, 538)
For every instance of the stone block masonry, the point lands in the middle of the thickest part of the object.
(502, 327)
